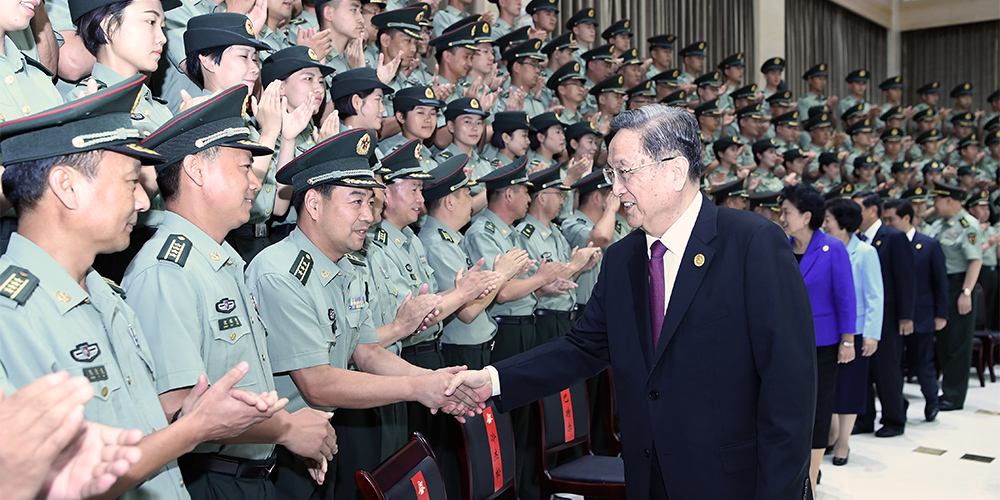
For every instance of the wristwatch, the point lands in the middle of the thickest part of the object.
(847, 344)
(967, 292)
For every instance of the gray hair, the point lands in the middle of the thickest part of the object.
(665, 130)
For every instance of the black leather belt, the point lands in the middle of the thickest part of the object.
(552, 313)
(258, 230)
(515, 320)
(230, 466)
(422, 348)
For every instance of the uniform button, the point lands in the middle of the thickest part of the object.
(26, 110)
(104, 392)
(232, 337)
(267, 190)
(653, 395)
(9, 80)
(182, 482)
(646, 452)
(147, 112)
(129, 380)
(263, 357)
(268, 211)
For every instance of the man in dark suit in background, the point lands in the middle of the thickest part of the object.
(931, 311)
(717, 385)
(899, 279)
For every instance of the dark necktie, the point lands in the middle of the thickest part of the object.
(656, 288)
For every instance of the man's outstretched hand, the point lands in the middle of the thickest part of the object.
(476, 381)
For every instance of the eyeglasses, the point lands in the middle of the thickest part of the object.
(623, 174)
(533, 64)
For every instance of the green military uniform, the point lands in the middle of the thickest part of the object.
(480, 165)
(174, 79)
(445, 18)
(961, 240)
(576, 228)
(554, 313)
(988, 276)
(27, 85)
(304, 20)
(501, 28)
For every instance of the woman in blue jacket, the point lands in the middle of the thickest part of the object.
(843, 217)
(826, 270)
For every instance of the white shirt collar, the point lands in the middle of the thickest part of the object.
(677, 235)
(870, 233)
(911, 232)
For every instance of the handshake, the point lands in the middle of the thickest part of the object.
(457, 391)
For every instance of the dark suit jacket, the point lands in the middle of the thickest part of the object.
(932, 283)
(727, 399)
(898, 276)
(826, 269)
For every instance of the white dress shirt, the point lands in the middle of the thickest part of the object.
(870, 232)
(911, 232)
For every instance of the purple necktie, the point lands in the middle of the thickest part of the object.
(657, 295)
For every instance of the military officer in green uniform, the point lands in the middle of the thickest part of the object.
(751, 123)
(510, 137)
(862, 139)
(978, 205)
(739, 99)
(773, 69)
(732, 195)
(728, 152)
(732, 68)
(661, 51)
(857, 84)
(816, 79)
(524, 63)
(187, 284)
(928, 147)
(765, 154)
(597, 64)
(547, 142)
(766, 204)
(786, 129)
(820, 130)
(902, 175)
(831, 169)
(709, 117)
(961, 240)
(506, 17)
(991, 162)
(466, 121)
(68, 317)
(641, 95)
(891, 147)
(667, 83)
(693, 57)
(416, 111)
(593, 222)
(559, 53)
(583, 24)
(930, 95)
(27, 84)
(610, 96)
(567, 85)
(707, 87)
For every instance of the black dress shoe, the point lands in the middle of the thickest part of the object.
(889, 431)
(863, 428)
(842, 461)
(946, 405)
(931, 411)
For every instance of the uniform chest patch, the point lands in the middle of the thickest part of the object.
(332, 314)
(228, 323)
(355, 303)
(85, 352)
(95, 373)
(225, 305)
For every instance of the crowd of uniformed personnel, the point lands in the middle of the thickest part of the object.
(404, 191)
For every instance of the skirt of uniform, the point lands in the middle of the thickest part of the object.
(852, 383)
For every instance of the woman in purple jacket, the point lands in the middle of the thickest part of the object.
(826, 270)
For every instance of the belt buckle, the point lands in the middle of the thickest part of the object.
(492, 343)
(270, 468)
(260, 230)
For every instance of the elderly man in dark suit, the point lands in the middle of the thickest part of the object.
(710, 341)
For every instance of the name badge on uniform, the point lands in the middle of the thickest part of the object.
(95, 373)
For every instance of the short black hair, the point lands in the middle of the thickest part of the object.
(344, 105)
(193, 63)
(846, 212)
(385, 31)
(25, 183)
(869, 199)
(435, 204)
(902, 207)
(168, 180)
(585, 198)
(806, 198)
(497, 139)
(438, 54)
(89, 26)
(324, 190)
(493, 194)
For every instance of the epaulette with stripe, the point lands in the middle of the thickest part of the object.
(356, 259)
(963, 222)
(381, 237)
(445, 236)
(302, 267)
(176, 249)
(490, 227)
(528, 230)
(17, 284)
(115, 287)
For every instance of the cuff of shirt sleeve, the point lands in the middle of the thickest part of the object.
(494, 379)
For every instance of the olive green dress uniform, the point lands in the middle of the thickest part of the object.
(480, 165)
(304, 20)
(554, 313)
(576, 228)
(988, 276)
(445, 18)
(174, 79)
(961, 240)
(501, 28)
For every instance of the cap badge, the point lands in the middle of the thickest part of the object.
(249, 27)
(363, 145)
(416, 151)
(822, 67)
(701, 45)
(590, 13)
(420, 16)
(576, 67)
(626, 24)
(486, 28)
(474, 103)
(777, 61)
(428, 93)
(861, 73)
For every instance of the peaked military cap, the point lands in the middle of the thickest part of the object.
(962, 89)
(928, 136)
(604, 52)
(735, 188)
(858, 110)
(678, 98)
(789, 119)
(342, 160)
(515, 172)
(565, 41)
(862, 127)
(901, 166)
(630, 56)
(547, 178)
(895, 82)
(464, 106)
(865, 161)
(892, 135)
(662, 41)
(425, 19)
(710, 79)
(963, 119)
(580, 17)
(591, 182)
(405, 20)
(772, 63)
(736, 59)
(941, 189)
(893, 113)
(977, 197)
(644, 88)
(745, 92)
(968, 141)
(791, 154)
(725, 143)
(78, 8)
(513, 38)
(708, 108)
(220, 29)
(530, 49)
(281, 64)
(992, 124)
(815, 71)
(750, 111)
(460, 37)
(842, 191)
(918, 194)
(97, 121)
(614, 83)
(766, 200)
(480, 33)
(219, 121)
(933, 166)
(819, 120)
(926, 114)
(404, 162)
(763, 145)
(695, 49)
(993, 137)
(356, 81)
(568, 71)
(858, 75)
(622, 27)
(541, 122)
(781, 98)
(580, 129)
(537, 5)
(668, 78)
(930, 88)
(411, 97)
(447, 178)
(509, 121)
(995, 95)
(828, 157)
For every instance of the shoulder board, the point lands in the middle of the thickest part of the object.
(356, 259)
(536, 162)
(302, 267)
(159, 100)
(39, 65)
(528, 230)
(964, 222)
(618, 226)
(557, 225)
(176, 250)
(446, 154)
(115, 287)
(363, 253)
(490, 227)
(381, 236)
(505, 94)
(496, 163)
(297, 20)
(445, 236)
(17, 284)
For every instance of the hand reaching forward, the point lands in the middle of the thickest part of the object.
(458, 403)
(223, 411)
(478, 381)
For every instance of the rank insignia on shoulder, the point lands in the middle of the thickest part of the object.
(490, 227)
(445, 236)
(302, 267)
(176, 249)
(964, 222)
(115, 287)
(446, 154)
(528, 230)
(355, 259)
(381, 236)
(85, 352)
(17, 284)
(557, 225)
(618, 226)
